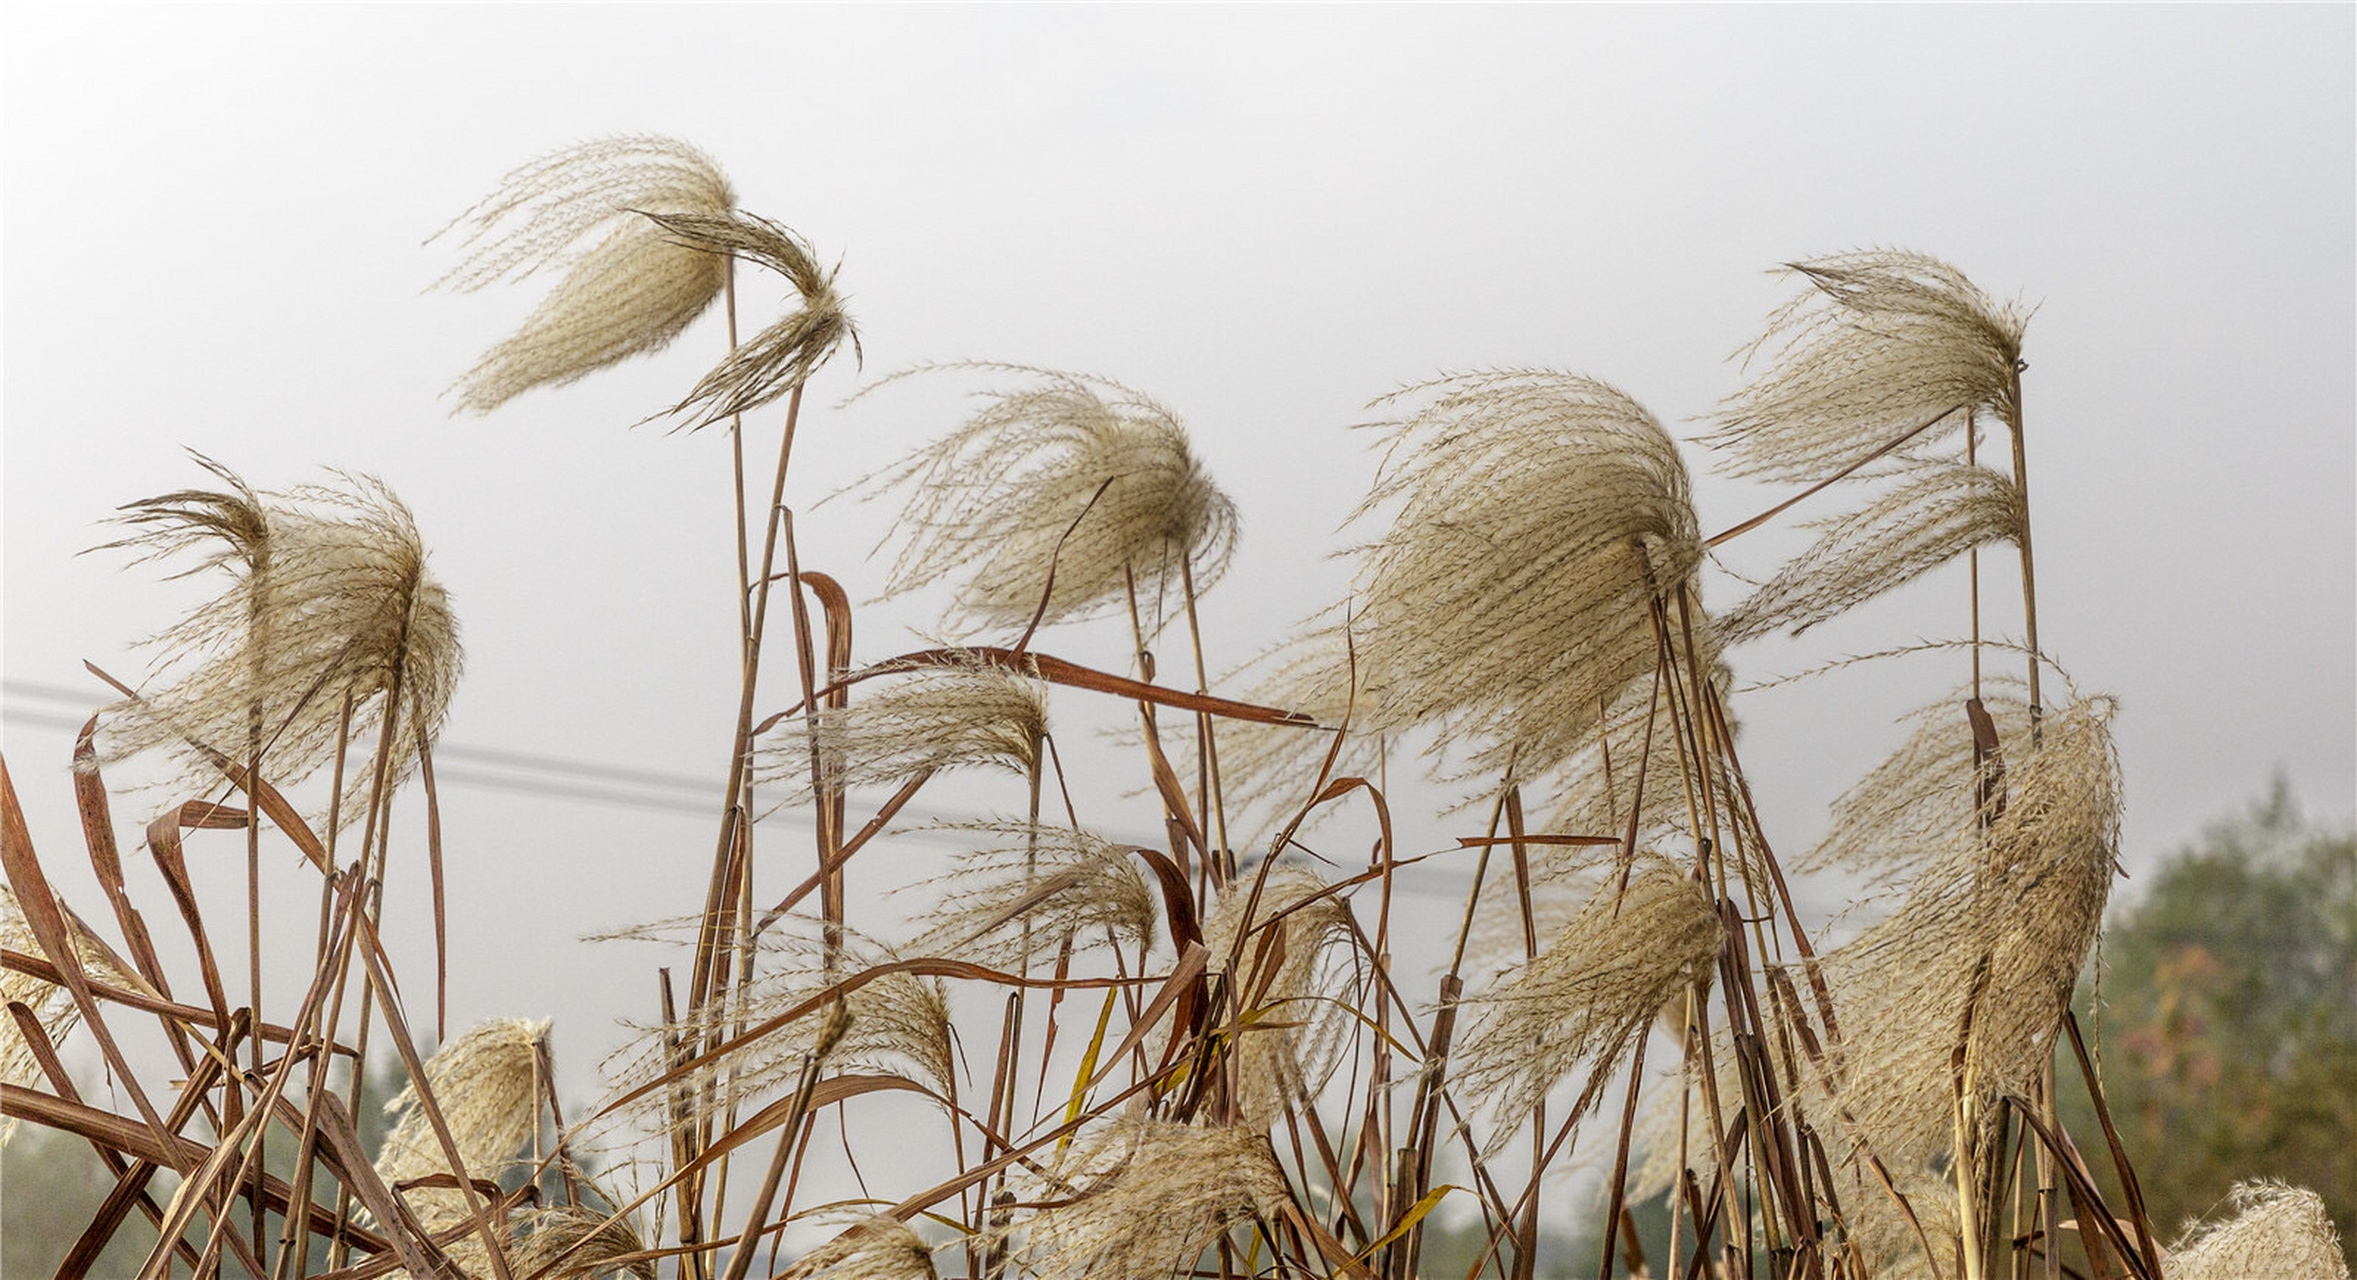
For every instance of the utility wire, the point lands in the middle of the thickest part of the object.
(647, 790)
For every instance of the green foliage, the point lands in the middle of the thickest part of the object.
(52, 1183)
(2228, 1017)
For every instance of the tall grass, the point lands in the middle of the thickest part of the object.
(1193, 1058)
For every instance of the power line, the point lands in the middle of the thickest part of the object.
(651, 790)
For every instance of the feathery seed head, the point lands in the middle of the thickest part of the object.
(1940, 511)
(2276, 1230)
(782, 356)
(487, 1086)
(228, 528)
(1003, 498)
(1596, 985)
(1035, 889)
(2019, 907)
(1541, 517)
(897, 1023)
(1146, 1197)
(590, 1247)
(1909, 808)
(876, 1247)
(1291, 1029)
(1881, 1231)
(1877, 344)
(544, 1235)
(930, 718)
(51, 1005)
(634, 287)
(333, 598)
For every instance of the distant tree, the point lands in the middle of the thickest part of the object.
(2226, 1013)
(52, 1183)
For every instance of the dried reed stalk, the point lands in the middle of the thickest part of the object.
(51, 1004)
(1652, 766)
(1287, 976)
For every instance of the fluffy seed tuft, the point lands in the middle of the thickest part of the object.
(631, 291)
(1146, 1198)
(877, 1247)
(1034, 890)
(1595, 985)
(329, 595)
(999, 498)
(1940, 511)
(487, 1085)
(2276, 1230)
(2010, 915)
(927, 719)
(1877, 344)
(784, 355)
(1541, 516)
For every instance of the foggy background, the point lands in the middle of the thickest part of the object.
(1264, 217)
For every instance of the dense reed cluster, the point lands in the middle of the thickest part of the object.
(1074, 1055)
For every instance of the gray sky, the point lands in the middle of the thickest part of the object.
(1265, 218)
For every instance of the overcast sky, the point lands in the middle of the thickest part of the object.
(1265, 217)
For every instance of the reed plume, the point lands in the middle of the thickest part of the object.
(1541, 516)
(629, 286)
(898, 1023)
(330, 596)
(1592, 988)
(876, 1247)
(2001, 924)
(228, 528)
(1287, 991)
(487, 1086)
(1144, 1198)
(51, 1005)
(1939, 511)
(1034, 890)
(1878, 344)
(2277, 1231)
(1878, 1226)
(928, 719)
(1002, 498)
(782, 356)
(1899, 818)
(562, 1242)
(223, 646)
